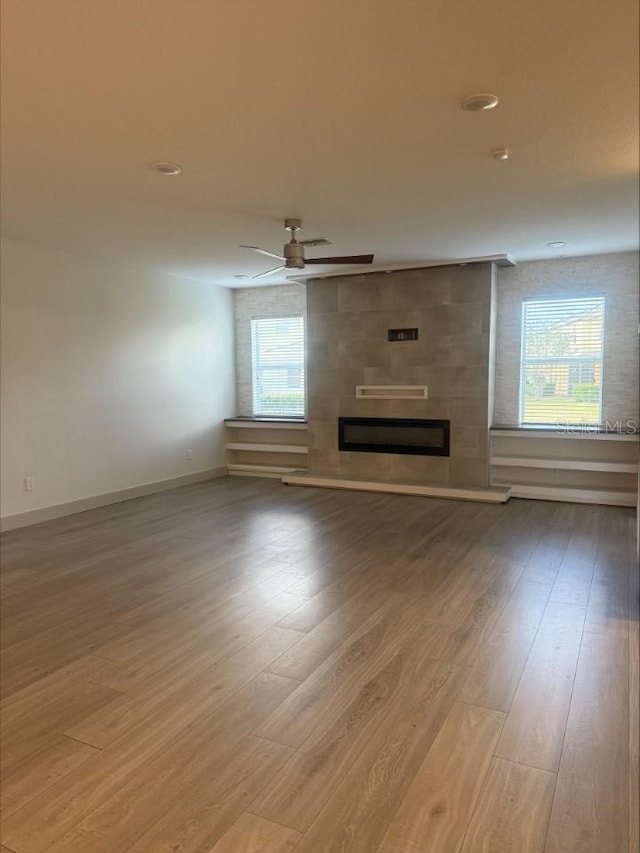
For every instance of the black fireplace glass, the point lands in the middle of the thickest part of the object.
(394, 435)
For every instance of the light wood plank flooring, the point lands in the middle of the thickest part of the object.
(239, 666)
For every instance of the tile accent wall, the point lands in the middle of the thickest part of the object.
(616, 276)
(347, 322)
(250, 302)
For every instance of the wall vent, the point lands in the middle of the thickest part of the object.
(402, 334)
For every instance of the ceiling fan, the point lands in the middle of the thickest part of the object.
(293, 252)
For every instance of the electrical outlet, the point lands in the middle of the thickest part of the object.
(29, 483)
(189, 454)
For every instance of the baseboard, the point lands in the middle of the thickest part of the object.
(48, 513)
(264, 474)
(574, 495)
(492, 494)
(273, 472)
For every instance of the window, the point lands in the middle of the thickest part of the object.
(277, 366)
(561, 371)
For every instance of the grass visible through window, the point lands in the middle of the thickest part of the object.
(277, 355)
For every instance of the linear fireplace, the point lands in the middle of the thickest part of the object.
(394, 435)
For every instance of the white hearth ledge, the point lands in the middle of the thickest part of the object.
(492, 494)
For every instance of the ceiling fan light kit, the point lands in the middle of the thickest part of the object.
(165, 168)
(481, 102)
(293, 252)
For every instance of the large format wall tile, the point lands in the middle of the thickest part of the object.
(615, 276)
(250, 302)
(348, 321)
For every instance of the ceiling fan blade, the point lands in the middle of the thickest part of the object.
(263, 252)
(345, 259)
(268, 272)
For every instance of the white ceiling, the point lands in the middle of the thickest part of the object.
(342, 113)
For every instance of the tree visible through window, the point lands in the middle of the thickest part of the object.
(561, 371)
(277, 353)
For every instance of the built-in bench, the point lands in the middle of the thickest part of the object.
(266, 447)
(582, 465)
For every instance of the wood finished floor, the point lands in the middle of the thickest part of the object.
(239, 666)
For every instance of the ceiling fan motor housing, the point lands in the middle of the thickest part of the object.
(294, 256)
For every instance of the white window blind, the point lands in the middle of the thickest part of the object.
(561, 371)
(277, 352)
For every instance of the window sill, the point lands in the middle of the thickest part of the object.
(266, 419)
(565, 429)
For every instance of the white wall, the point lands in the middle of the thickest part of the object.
(614, 275)
(109, 374)
(252, 302)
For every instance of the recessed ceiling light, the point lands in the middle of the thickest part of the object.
(241, 276)
(479, 103)
(557, 244)
(501, 153)
(163, 168)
